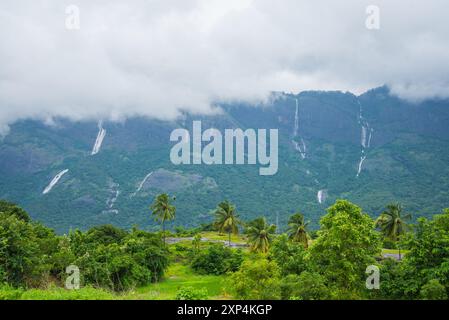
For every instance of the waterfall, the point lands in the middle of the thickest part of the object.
(362, 158)
(142, 184)
(321, 196)
(54, 181)
(299, 146)
(363, 141)
(116, 192)
(100, 137)
(296, 129)
(365, 138)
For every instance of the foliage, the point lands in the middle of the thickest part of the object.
(226, 219)
(257, 279)
(433, 290)
(217, 259)
(10, 208)
(289, 256)
(307, 286)
(163, 210)
(190, 293)
(260, 234)
(7, 292)
(138, 259)
(297, 229)
(347, 243)
(25, 251)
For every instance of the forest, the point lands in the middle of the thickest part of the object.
(229, 258)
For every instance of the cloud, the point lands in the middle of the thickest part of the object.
(155, 58)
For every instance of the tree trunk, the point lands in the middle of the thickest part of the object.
(399, 254)
(229, 239)
(163, 231)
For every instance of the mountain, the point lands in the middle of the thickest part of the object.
(370, 149)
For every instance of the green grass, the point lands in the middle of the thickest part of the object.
(177, 276)
(394, 251)
(212, 235)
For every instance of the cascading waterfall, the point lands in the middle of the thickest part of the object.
(100, 137)
(142, 184)
(321, 196)
(300, 145)
(365, 139)
(110, 202)
(362, 158)
(54, 181)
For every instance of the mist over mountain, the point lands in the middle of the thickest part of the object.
(371, 149)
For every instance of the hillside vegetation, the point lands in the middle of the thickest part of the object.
(229, 258)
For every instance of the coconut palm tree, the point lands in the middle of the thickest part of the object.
(260, 234)
(297, 229)
(163, 210)
(226, 219)
(392, 223)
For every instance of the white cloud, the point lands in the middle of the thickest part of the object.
(154, 58)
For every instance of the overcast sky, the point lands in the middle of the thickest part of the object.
(157, 57)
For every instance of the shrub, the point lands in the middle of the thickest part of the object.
(217, 260)
(433, 290)
(190, 293)
(256, 280)
(307, 286)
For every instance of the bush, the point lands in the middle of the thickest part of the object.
(25, 251)
(256, 280)
(217, 260)
(307, 286)
(433, 290)
(190, 293)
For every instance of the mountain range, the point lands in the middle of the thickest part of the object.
(371, 149)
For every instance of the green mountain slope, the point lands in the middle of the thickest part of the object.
(405, 148)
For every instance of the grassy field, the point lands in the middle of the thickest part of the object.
(178, 276)
(211, 235)
(393, 251)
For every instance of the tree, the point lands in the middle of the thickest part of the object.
(297, 229)
(259, 234)
(226, 219)
(196, 243)
(163, 210)
(10, 208)
(347, 243)
(256, 280)
(428, 256)
(289, 256)
(392, 223)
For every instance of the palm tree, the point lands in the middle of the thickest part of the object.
(226, 219)
(259, 234)
(196, 243)
(163, 210)
(392, 223)
(297, 229)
